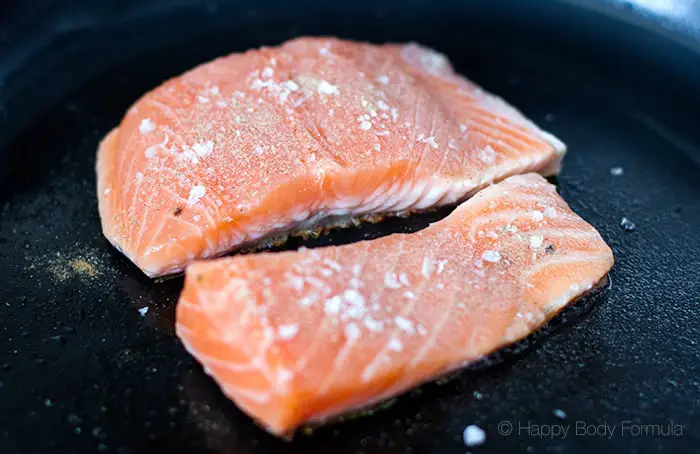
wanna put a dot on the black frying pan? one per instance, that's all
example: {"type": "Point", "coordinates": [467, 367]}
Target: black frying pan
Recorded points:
{"type": "Point", "coordinates": [81, 370]}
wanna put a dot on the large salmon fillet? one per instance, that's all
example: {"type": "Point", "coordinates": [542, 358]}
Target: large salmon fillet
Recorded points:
{"type": "Point", "coordinates": [297, 337]}
{"type": "Point", "coordinates": [314, 132]}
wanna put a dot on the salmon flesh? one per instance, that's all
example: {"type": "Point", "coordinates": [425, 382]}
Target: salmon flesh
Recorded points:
{"type": "Point", "coordinates": [294, 137]}
{"type": "Point", "coordinates": [298, 337]}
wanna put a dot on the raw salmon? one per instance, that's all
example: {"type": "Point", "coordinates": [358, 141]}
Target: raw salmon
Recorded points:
{"type": "Point", "coordinates": [314, 132]}
{"type": "Point", "coordinates": [297, 337]}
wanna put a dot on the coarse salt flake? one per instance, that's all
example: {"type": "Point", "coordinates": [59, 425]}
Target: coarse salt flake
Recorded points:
{"type": "Point", "coordinates": [491, 256]}
{"type": "Point", "coordinates": [352, 331]}
{"type": "Point", "coordinates": [203, 149]}
{"type": "Point", "coordinates": [382, 105]}
{"type": "Point", "coordinates": [511, 228]}
{"type": "Point", "coordinates": [327, 89]}
{"type": "Point", "coordinates": [332, 305]}
{"type": "Point", "coordinates": [295, 282]}
{"type": "Point", "coordinates": [146, 126]}
{"type": "Point", "coordinates": [627, 224]}
{"type": "Point", "coordinates": [428, 140]}
{"type": "Point", "coordinates": [474, 435]}
{"type": "Point", "coordinates": [354, 297]}
{"type": "Point", "coordinates": [404, 324]}
{"type": "Point", "coordinates": [537, 215]}
{"type": "Point", "coordinates": [384, 80]}
{"type": "Point", "coordinates": [284, 375]}
{"type": "Point", "coordinates": [365, 125]}
{"type": "Point", "coordinates": [143, 311]}
{"type": "Point", "coordinates": [391, 281]}
{"type": "Point", "coordinates": [355, 282]}
{"type": "Point", "coordinates": [373, 325]}
{"type": "Point", "coordinates": [394, 114]}
{"type": "Point", "coordinates": [559, 413]}
{"type": "Point", "coordinates": [286, 332]}
{"type": "Point", "coordinates": [332, 264]}
{"type": "Point", "coordinates": [196, 194]}
{"type": "Point", "coordinates": [395, 345]}
{"type": "Point", "coordinates": [536, 241]}
{"type": "Point", "coordinates": [307, 301]}
{"type": "Point", "coordinates": [487, 155]}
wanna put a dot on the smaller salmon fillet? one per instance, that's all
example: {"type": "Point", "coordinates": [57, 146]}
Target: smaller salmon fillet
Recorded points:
{"type": "Point", "coordinates": [298, 337]}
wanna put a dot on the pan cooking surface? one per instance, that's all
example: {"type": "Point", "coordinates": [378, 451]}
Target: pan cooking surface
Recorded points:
{"type": "Point", "coordinates": [88, 358]}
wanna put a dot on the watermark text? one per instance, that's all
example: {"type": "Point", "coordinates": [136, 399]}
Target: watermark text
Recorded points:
{"type": "Point", "coordinates": [579, 428]}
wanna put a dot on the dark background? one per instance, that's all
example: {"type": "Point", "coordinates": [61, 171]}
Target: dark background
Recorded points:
{"type": "Point", "coordinates": [82, 371]}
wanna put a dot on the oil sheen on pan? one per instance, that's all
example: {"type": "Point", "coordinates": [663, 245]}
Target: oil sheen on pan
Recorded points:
{"type": "Point", "coordinates": [298, 337]}
{"type": "Point", "coordinates": [253, 146]}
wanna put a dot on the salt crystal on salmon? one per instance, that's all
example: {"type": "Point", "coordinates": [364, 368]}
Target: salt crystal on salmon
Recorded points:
{"type": "Point", "coordinates": [355, 345]}
{"type": "Point", "coordinates": [313, 132]}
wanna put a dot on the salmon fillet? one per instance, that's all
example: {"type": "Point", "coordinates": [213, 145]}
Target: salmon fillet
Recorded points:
{"type": "Point", "coordinates": [297, 337]}
{"type": "Point", "coordinates": [290, 138]}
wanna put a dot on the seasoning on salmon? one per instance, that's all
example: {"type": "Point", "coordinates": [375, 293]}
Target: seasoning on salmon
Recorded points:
{"type": "Point", "coordinates": [314, 132]}
{"type": "Point", "coordinates": [297, 337]}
